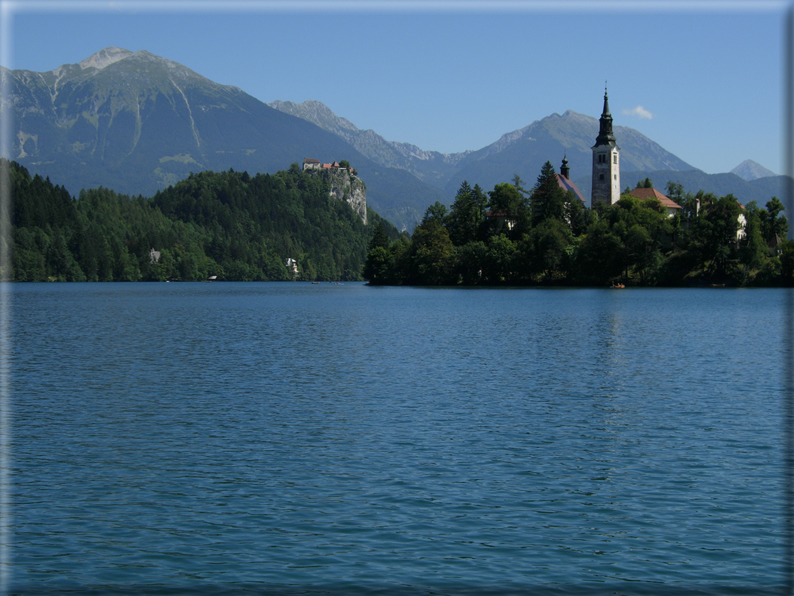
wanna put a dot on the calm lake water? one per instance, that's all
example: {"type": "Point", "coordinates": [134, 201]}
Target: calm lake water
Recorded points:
{"type": "Point", "coordinates": [339, 439]}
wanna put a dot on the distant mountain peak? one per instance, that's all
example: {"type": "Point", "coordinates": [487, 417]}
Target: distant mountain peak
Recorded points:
{"type": "Point", "coordinates": [105, 57]}
{"type": "Point", "coordinates": [317, 113]}
{"type": "Point", "coordinates": [750, 170]}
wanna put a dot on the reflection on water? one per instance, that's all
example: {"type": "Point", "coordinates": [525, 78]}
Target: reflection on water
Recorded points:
{"type": "Point", "coordinates": [327, 438]}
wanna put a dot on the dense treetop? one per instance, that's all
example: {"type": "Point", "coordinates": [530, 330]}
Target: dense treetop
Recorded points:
{"type": "Point", "coordinates": [225, 224]}
{"type": "Point", "coordinates": [546, 236]}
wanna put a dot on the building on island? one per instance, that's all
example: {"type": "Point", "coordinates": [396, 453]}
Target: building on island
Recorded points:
{"type": "Point", "coordinates": [741, 219]}
{"type": "Point", "coordinates": [314, 164]}
{"type": "Point", "coordinates": [606, 162]}
{"type": "Point", "coordinates": [651, 193]}
{"type": "Point", "coordinates": [500, 220]}
{"type": "Point", "coordinates": [564, 180]}
{"type": "Point", "coordinates": [292, 267]}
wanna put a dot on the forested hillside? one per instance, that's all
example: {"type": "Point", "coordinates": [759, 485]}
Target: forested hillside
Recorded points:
{"type": "Point", "coordinates": [226, 224]}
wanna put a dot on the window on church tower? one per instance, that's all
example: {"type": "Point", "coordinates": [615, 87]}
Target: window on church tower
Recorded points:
{"type": "Point", "coordinates": [615, 158]}
{"type": "Point", "coordinates": [600, 176]}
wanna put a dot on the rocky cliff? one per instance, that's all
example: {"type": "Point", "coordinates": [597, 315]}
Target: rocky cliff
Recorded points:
{"type": "Point", "coordinates": [346, 187]}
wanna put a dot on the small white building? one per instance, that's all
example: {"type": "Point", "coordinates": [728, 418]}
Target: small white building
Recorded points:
{"type": "Point", "coordinates": [292, 267]}
{"type": "Point", "coordinates": [741, 232]}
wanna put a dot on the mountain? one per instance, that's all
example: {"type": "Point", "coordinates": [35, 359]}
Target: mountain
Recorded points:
{"type": "Point", "coordinates": [524, 152]}
{"type": "Point", "coordinates": [430, 166]}
{"type": "Point", "coordinates": [751, 170]}
{"type": "Point", "coordinates": [520, 152]}
{"type": "Point", "coordinates": [138, 123]}
{"type": "Point", "coordinates": [570, 135]}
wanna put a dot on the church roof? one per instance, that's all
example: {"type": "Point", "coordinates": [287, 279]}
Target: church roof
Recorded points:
{"type": "Point", "coordinates": [567, 184]}
{"type": "Point", "coordinates": [651, 193]}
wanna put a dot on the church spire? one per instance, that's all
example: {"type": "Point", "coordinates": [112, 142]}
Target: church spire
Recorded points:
{"type": "Point", "coordinates": [606, 103]}
{"type": "Point", "coordinates": [606, 161]}
{"type": "Point", "coordinates": [605, 134]}
{"type": "Point", "coordinates": [565, 170]}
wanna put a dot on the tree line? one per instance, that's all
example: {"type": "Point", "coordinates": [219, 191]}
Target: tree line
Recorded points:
{"type": "Point", "coordinates": [225, 224]}
{"type": "Point", "coordinates": [546, 236]}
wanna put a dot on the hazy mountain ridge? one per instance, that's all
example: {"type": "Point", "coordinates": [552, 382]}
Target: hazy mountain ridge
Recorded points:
{"type": "Point", "coordinates": [522, 151]}
{"type": "Point", "coordinates": [137, 123]}
{"type": "Point", "coordinates": [104, 58]}
{"type": "Point", "coordinates": [430, 166]}
{"type": "Point", "coordinates": [570, 135]}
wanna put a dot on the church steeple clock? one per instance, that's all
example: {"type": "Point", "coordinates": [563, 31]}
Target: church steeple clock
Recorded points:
{"type": "Point", "coordinates": [606, 161]}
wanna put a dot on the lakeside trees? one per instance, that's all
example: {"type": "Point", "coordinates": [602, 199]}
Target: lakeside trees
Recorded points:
{"type": "Point", "coordinates": [227, 224]}
{"type": "Point", "coordinates": [241, 227]}
{"type": "Point", "coordinates": [546, 236]}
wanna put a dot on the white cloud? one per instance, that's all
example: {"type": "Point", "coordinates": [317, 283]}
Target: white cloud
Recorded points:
{"type": "Point", "coordinates": [639, 111]}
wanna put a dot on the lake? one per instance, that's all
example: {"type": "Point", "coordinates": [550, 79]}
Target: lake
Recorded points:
{"type": "Point", "coordinates": [294, 438]}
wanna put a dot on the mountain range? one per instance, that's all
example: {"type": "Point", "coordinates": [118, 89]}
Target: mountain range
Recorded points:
{"type": "Point", "coordinates": [138, 123]}
{"type": "Point", "coordinates": [522, 151]}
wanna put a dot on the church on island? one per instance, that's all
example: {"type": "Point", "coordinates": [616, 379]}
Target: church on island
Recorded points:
{"type": "Point", "coordinates": [606, 171]}
{"type": "Point", "coordinates": [606, 165]}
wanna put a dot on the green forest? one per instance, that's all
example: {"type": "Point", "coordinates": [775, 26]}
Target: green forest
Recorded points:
{"type": "Point", "coordinates": [546, 236]}
{"type": "Point", "coordinates": [224, 224]}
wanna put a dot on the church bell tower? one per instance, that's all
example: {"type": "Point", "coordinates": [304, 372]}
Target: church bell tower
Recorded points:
{"type": "Point", "coordinates": [606, 162]}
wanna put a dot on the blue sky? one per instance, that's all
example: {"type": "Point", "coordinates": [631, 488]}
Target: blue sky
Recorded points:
{"type": "Point", "coordinates": [703, 79]}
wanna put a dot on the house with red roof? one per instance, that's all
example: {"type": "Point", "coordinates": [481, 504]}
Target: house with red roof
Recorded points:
{"type": "Point", "coordinates": [315, 164]}
{"type": "Point", "coordinates": [645, 194]}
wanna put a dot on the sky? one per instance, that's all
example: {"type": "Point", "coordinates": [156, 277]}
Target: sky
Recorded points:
{"type": "Point", "coordinates": [703, 78]}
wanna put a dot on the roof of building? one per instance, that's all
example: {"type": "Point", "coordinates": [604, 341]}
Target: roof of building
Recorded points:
{"type": "Point", "coordinates": [310, 160]}
{"type": "Point", "coordinates": [651, 193]}
{"type": "Point", "coordinates": [567, 184]}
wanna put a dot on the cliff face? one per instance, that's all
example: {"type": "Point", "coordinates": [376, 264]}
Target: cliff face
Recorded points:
{"type": "Point", "coordinates": [348, 188]}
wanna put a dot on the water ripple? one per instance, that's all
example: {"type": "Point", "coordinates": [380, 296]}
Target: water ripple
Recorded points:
{"type": "Point", "coordinates": [237, 438]}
